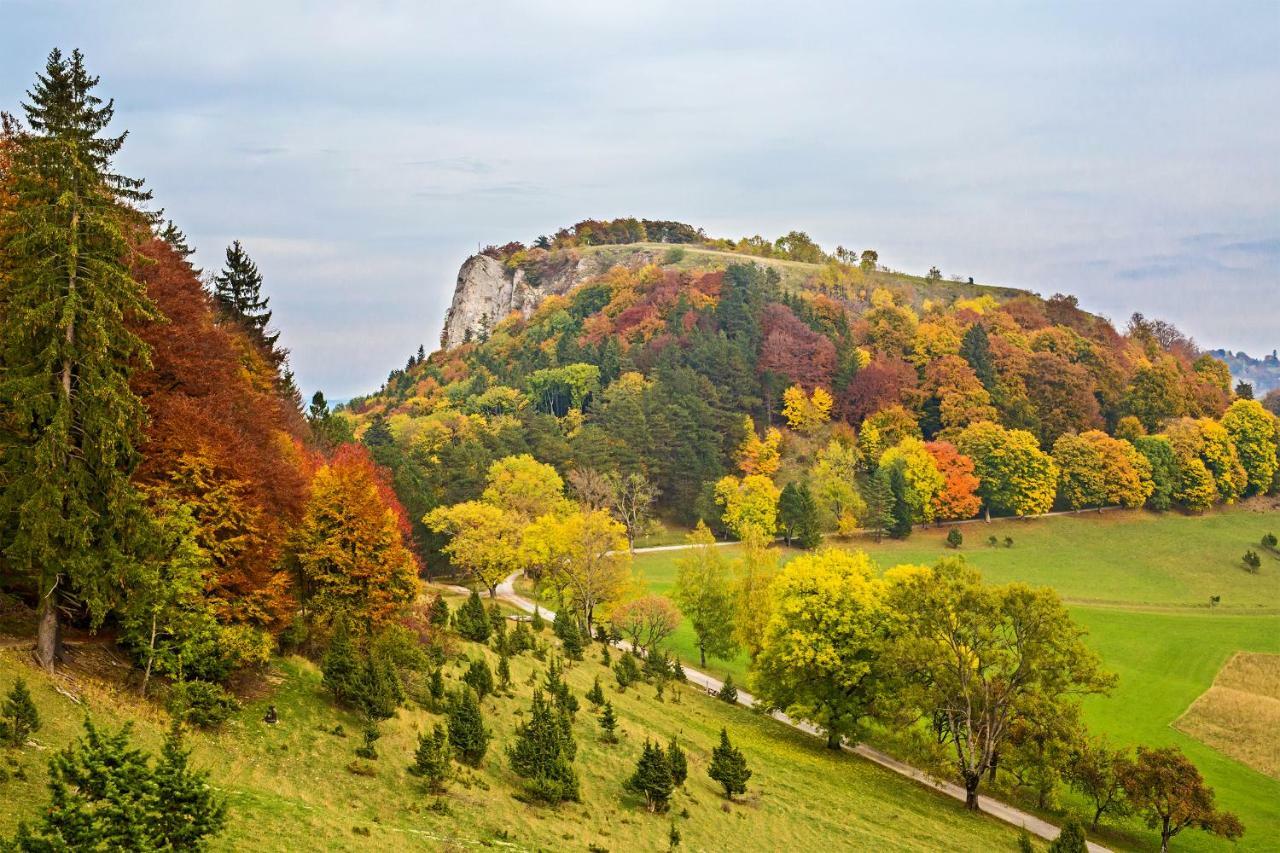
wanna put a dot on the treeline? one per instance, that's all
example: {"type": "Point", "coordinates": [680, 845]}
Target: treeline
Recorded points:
{"type": "Point", "coordinates": [1010, 408]}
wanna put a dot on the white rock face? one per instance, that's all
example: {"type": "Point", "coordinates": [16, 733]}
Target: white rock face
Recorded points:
{"type": "Point", "coordinates": [487, 292]}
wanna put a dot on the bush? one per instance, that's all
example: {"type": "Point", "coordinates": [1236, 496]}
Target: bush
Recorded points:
{"type": "Point", "coordinates": [1252, 562]}
{"type": "Point", "coordinates": [1269, 541]}
{"type": "Point", "coordinates": [1070, 840]}
{"type": "Point", "coordinates": [626, 671]}
{"type": "Point", "coordinates": [201, 703]}
{"type": "Point", "coordinates": [728, 691]}
{"type": "Point", "coordinates": [955, 538]}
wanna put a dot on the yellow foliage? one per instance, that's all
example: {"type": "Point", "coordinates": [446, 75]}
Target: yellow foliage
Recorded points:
{"type": "Point", "coordinates": [806, 414]}
{"type": "Point", "coordinates": [758, 455]}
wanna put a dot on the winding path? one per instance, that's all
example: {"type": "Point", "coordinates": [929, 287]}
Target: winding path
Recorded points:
{"type": "Point", "coordinates": [995, 808]}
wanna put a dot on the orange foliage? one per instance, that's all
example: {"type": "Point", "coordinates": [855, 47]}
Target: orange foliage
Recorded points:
{"type": "Point", "coordinates": [959, 495]}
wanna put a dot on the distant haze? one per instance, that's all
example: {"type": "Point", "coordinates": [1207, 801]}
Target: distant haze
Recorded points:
{"type": "Point", "coordinates": [1123, 152]}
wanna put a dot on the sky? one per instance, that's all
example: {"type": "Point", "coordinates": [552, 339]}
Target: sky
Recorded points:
{"type": "Point", "coordinates": [1127, 153]}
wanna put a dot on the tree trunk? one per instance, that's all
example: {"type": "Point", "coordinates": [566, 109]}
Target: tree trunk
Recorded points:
{"type": "Point", "coordinates": [48, 635]}
{"type": "Point", "coordinates": [971, 782]}
{"type": "Point", "coordinates": [986, 512]}
{"type": "Point", "coordinates": [833, 740]}
{"type": "Point", "coordinates": [1165, 835]}
{"type": "Point", "coordinates": [1097, 816]}
{"type": "Point", "coordinates": [702, 656]}
{"type": "Point", "coordinates": [151, 656]}
{"type": "Point", "coordinates": [995, 763]}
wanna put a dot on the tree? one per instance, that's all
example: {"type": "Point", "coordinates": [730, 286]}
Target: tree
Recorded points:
{"type": "Point", "coordinates": [524, 487]}
{"type": "Point", "coordinates": [789, 511]}
{"type": "Point", "coordinates": [349, 548]}
{"type": "Point", "coordinates": [880, 503]}
{"type": "Point", "coordinates": [750, 505]}
{"type": "Point", "coordinates": [901, 509]}
{"type": "Point", "coordinates": [652, 777]}
{"type": "Point", "coordinates": [471, 621]}
{"type": "Point", "coordinates": [703, 592]}
{"type": "Point", "coordinates": [328, 430]}
{"type": "Point", "coordinates": [828, 629]}
{"type": "Point", "coordinates": [1071, 839]}
{"type": "Point", "coordinates": [729, 767]}
{"type": "Point", "coordinates": [19, 717]}
{"type": "Point", "coordinates": [1097, 772]}
{"type": "Point", "coordinates": [981, 655]}
{"type": "Point", "coordinates": [72, 423]}
{"type": "Point", "coordinates": [608, 724]}
{"type": "Point", "coordinates": [728, 692]}
{"type": "Point", "coordinates": [107, 794]}
{"type": "Point", "coordinates": [958, 497]}
{"type": "Point", "coordinates": [923, 481]}
{"type": "Point", "coordinates": [975, 348]}
{"type": "Point", "coordinates": [583, 556]}
{"type": "Point", "coordinates": [759, 457]}
{"type": "Point", "coordinates": [806, 413]}
{"type": "Point", "coordinates": [1253, 431]}
{"type": "Point", "coordinates": [1095, 469]}
{"type": "Point", "coordinates": [954, 538]}
{"type": "Point", "coordinates": [432, 761]}
{"type": "Point", "coordinates": [467, 732]}
{"type": "Point", "coordinates": [1252, 562]}
{"type": "Point", "coordinates": [835, 488]}
{"type": "Point", "coordinates": [631, 498]}
{"type": "Point", "coordinates": [1167, 790]}
{"type": "Point", "coordinates": [438, 615]}
{"type": "Point", "coordinates": [753, 571]}
{"type": "Point", "coordinates": [237, 289]}
{"type": "Point", "coordinates": [1163, 464]}
{"type": "Point", "coordinates": [479, 677]}
{"type": "Point", "coordinates": [485, 540]}
{"type": "Point", "coordinates": [596, 694]}
{"type": "Point", "coordinates": [646, 621]}
{"type": "Point", "coordinates": [1014, 475]}
{"type": "Point", "coordinates": [543, 754]}
{"type": "Point", "coordinates": [678, 762]}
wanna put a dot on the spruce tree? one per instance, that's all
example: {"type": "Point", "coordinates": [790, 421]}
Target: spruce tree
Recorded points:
{"type": "Point", "coordinates": [808, 530]}
{"type": "Point", "coordinates": [18, 717]}
{"type": "Point", "coordinates": [975, 348]}
{"type": "Point", "coordinates": [543, 754]}
{"type": "Point", "coordinates": [435, 686]}
{"type": "Point", "coordinates": [729, 767]}
{"type": "Point", "coordinates": [728, 691]}
{"type": "Point", "coordinates": [880, 501]}
{"type": "Point", "coordinates": [471, 621]}
{"type": "Point", "coordinates": [559, 689]}
{"type": "Point", "coordinates": [789, 511]}
{"type": "Point", "coordinates": [677, 670]}
{"type": "Point", "coordinates": [605, 657]}
{"type": "Point", "coordinates": [378, 434]}
{"type": "Point", "coordinates": [652, 778]}
{"type": "Point", "coordinates": [678, 762]}
{"type": "Point", "coordinates": [625, 671]}
{"type": "Point", "coordinates": [432, 761]}
{"type": "Point", "coordinates": [596, 695]}
{"type": "Point", "coordinates": [1071, 839]}
{"type": "Point", "coordinates": [566, 628]}
{"type": "Point", "coordinates": [537, 623]}
{"type": "Point", "coordinates": [900, 509]}
{"type": "Point", "coordinates": [479, 678]}
{"type": "Point", "coordinates": [341, 665]}
{"type": "Point", "coordinates": [608, 724]}
{"type": "Point", "coordinates": [504, 672]}
{"type": "Point", "coordinates": [177, 240]}
{"type": "Point", "coordinates": [467, 732]}
{"type": "Point", "coordinates": [238, 291]}
{"type": "Point", "coordinates": [438, 615]}
{"type": "Point", "coordinates": [69, 299]}
{"type": "Point", "coordinates": [189, 810]}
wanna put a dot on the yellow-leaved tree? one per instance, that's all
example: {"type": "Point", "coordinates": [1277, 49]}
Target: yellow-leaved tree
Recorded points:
{"type": "Point", "coordinates": [806, 413]}
{"type": "Point", "coordinates": [583, 557]}
{"type": "Point", "coordinates": [750, 505]}
{"type": "Point", "coordinates": [758, 455]}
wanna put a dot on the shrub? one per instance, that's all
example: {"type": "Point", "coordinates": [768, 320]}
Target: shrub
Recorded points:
{"type": "Point", "coordinates": [1070, 839]}
{"type": "Point", "coordinates": [201, 703]}
{"type": "Point", "coordinates": [955, 538]}
{"type": "Point", "coordinates": [431, 761]}
{"type": "Point", "coordinates": [1269, 541]}
{"type": "Point", "coordinates": [18, 717]}
{"type": "Point", "coordinates": [1008, 541]}
{"type": "Point", "coordinates": [1252, 562]}
{"type": "Point", "coordinates": [728, 691]}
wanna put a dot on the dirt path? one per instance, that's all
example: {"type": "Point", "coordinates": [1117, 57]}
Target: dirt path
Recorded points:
{"type": "Point", "coordinates": [995, 808]}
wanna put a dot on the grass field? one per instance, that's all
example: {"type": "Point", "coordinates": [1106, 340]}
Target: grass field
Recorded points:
{"type": "Point", "coordinates": [289, 789]}
{"type": "Point", "coordinates": [1239, 714]}
{"type": "Point", "coordinates": [1140, 583]}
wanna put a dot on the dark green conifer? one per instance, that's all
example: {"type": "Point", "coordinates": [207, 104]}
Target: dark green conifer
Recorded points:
{"type": "Point", "coordinates": [432, 761]}
{"type": "Point", "coordinates": [900, 510]}
{"type": "Point", "coordinates": [1071, 839]}
{"type": "Point", "coordinates": [504, 672]}
{"type": "Point", "coordinates": [975, 348]}
{"type": "Point", "coordinates": [538, 622]}
{"type": "Point", "coordinates": [728, 691]}
{"type": "Point", "coordinates": [566, 628]}
{"type": "Point", "coordinates": [341, 665]}
{"type": "Point", "coordinates": [190, 810]}
{"type": "Point", "coordinates": [435, 685]}
{"type": "Point", "coordinates": [439, 612]}
{"type": "Point", "coordinates": [879, 498]}
{"type": "Point", "coordinates": [808, 530]}
{"type": "Point", "coordinates": [467, 732]}
{"type": "Point", "coordinates": [479, 677]}
{"type": "Point", "coordinates": [543, 754]}
{"type": "Point", "coordinates": [729, 767]}
{"type": "Point", "coordinates": [626, 671]}
{"type": "Point", "coordinates": [238, 291]}
{"type": "Point", "coordinates": [608, 724]}
{"type": "Point", "coordinates": [471, 621]}
{"type": "Point", "coordinates": [19, 717]}
{"type": "Point", "coordinates": [596, 695]}
{"type": "Point", "coordinates": [652, 778]}
{"type": "Point", "coordinates": [605, 657]}
{"type": "Point", "coordinates": [678, 762]}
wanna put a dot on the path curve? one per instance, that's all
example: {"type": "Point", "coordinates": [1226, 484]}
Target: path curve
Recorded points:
{"type": "Point", "coordinates": [1005, 812]}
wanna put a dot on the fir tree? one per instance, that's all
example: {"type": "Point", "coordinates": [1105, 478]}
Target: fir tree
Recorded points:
{"type": "Point", "coordinates": [543, 754]}
{"type": "Point", "coordinates": [673, 837]}
{"type": "Point", "coordinates": [538, 623]}
{"type": "Point", "coordinates": [729, 767]}
{"type": "Point", "coordinates": [238, 291]}
{"type": "Point", "coordinates": [566, 628]}
{"type": "Point", "coordinates": [471, 621]}
{"type": "Point", "coordinates": [18, 717]}
{"type": "Point", "coordinates": [596, 695]}
{"type": "Point", "coordinates": [435, 686]}
{"type": "Point", "coordinates": [728, 691]}
{"type": "Point", "coordinates": [432, 761]}
{"type": "Point", "coordinates": [975, 348]}
{"type": "Point", "coordinates": [788, 511]}
{"type": "Point", "coordinates": [467, 732]}
{"type": "Point", "coordinates": [808, 530]}
{"type": "Point", "coordinates": [900, 510]}
{"type": "Point", "coordinates": [438, 615]}
{"type": "Point", "coordinates": [504, 672]}
{"type": "Point", "coordinates": [625, 671]}
{"type": "Point", "coordinates": [1071, 839]}
{"type": "Point", "coordinates": [652, 778]}
{"type": "Point", "coordinates": [378, 434]}
{"type": "Point", "coordinates": [880, 502]}
{"type": "Point", "coordinates": [177, 240]}
{"type": "Point", "coordinates": [479, 677]}
{"type": "Point", "coordinates": [677, 670]}
{"type": "Point", "coordinates": [340, 665]}
{"type": "Point", "coordinates": [608, 724]}
{"type": "Point", "coordinates": [189, 810]}
{"type": "Point", "coordinates": [605, 657]}
{"type": "Point", "coordinates": [558, 688]}
{"type": "Point", "coordinates": [678, 762]}
{"type": "Point", "coordinates": [69, 300]}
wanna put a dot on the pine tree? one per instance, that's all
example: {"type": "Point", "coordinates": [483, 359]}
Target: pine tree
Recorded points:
{"type": "Point", "coordinates": [18, 717]}
{"type": "Point", "coordinates": [432, 760]}
{"type": "Point", "coordinates": [605, 657]}
{"type": "Point", "coordinates": [975, 348]}
{"type": "Point", "coordinates": [558, 688]}
{"type": "Point", "coordinates": [69, 297]}
{"type": "Point", "coordinates": [789, 511]}
{"type": "Point", "coordinates": [438, 615]}
{"type": "Point", "coordinates": [596, 695]}
{"type": "Point", "coordinates": [341, 665]}
{"type": "Point", "coordinates": [467, 732]}
{"type": "Point", "coordinates": [538, 623]}
{"type": "Point", "coordinates": [1070, 840]}
{"type": "Point", "coordinates": [238, 291]}
{"type": "Point", "coordinates": [479, 677]}
{"type": "Point", "coordinates": [471, 621]}
{"type": "Point", "coordinates": [728, 691]}
{"type": "Point", "coordinates": [678, 762]}
{"type": "Point", "coordinates": [808, 530]}
{"type": "Point", "coordinates": [729, 767]}
{"type": "Point", "coordinates": [504, 672]}
{"type": "Point", "coordinates": [177, 240]}
{"type": "Point", "coordinates": [677, 671]}
{"type": "Point", "coordinates": [189, 810]}
{"type": "Point", "coordinates": [608, 724]}
{"type": "Point", "coordinates": [900, 509]}
{"type": "Point", "coordinates": [435, 686]}
{"type": "Point", "coordinates": [566, 628]}
{"type": "Point", "coordinates": [652, 778]}
{"type": "Point", "coordinates": [543, 754]}
{"type": "Point", "coordinates": [880, 502]}
{"type": "Point", "coordinates": [378, 434]}
{"type": "Point", "coordinates": [625, 671]}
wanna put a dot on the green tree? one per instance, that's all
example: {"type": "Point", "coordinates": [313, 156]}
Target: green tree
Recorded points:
{"type": "Point", "coordinates": [1071, 839]}
{"type": "Point", "coordinates": [703, 592]}
{"type": "Point", "coordinates": [341, 665]}
{"type": "Point", "coordinates": [1014, 475]}
{"type": "Point", "coordinates": [652, 778]}
{"type": "Point", "coordinates": [608, 724]}
{"type": "Point", "coordinates": [543, 754]}
{"type": "Point", "coordinates": [901, 511]}
{"type": "Point", "coordinates": [189, 810]}
{"type": "Point", "coordinates": [467, 732]}
{"type": "Point", "coordinates": [880, 503]}
{"type": "Point", "coordinates": [1165, 475]}
{"type": "Point", "coordinates": [479, 677]}
{"type": "Point", "coordinates": [1167, 790]}
{"type": "Point", "coordinates": [975, 348]}
{"type": "Point", "coordinates": [71, 421]}
{"type": "Point", "coordinates": [729, 767]}
{"type": "Point", "coordinates": [18, 716]}
{"type": "Point", "coordinates": [1253, 431]}
{"type": "Point", "coordinates": [471, 621]}
{"type": "Point", "coordinates": [954, 538]}
{"type": "Point", "coordinates": [439, 612]}
{"type": "Point", "coordinates": [789, 511]}
{"type": "Point", "coordinates": [596, 694]}
{"type": "Point", "coordinates": [237, 289]}
{"type": "Point", "coordinates": [678, 762]}
{"type": "Point", "coordinates": [1096, 771]}
{"type": "Point", "coordinates": [728, 691]}
{"type": "Point", "coordinates": [432, 762]}
{"type": "Point", "coordinates": [829, 627]}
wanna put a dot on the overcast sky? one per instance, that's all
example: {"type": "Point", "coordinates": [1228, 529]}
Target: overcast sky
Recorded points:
{"type": "Point", "coordinates": [1125, 152]}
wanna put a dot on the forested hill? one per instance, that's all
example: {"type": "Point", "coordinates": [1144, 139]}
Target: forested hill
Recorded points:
{"type": "Point", "coordinates": [682, 360]}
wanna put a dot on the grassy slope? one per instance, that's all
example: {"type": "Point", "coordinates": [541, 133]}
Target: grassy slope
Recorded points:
{"type": "Point", "coordinates": [290, 790]}
{"type": "Point", "coordinates": [1140, 584]}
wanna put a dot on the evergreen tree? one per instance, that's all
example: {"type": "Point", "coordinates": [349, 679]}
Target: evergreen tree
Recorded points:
{"type": "Point", "coordinates": [467, 732]}
{"type": "Point", "coordinates": [543, 754]}
{"type": "Point", "coordinates": [69, 297]}
{"type": "Point", "coordinates": [438, 615]}
{"type": "Point", "coordinates": [625, 671]}
{"type": "Point", "coordinates": [900, 509]}
{"type": "Point", "coordinates": [1070, 840]}
{"type": "Point", "coordinates": [955, 538]}
{"type": "Point", "coordinates": [177, 240]}
{"type": "Point", "coordinates": [504, 672]}
{"type": "Point", "coordinates": [538, 623]}
{"type": "Point", "coordinates": [471, 621]}
{"type": "Point", "coordinates": [378, 434]}
{"type": "Point", "coordinates": [605, 658]}
{"type": "Point", "coordinates": [18, 716]}
{"type": "Point", "coordinates": [728, 691]}
{"type": "Point", "coordinates": [559, 689]}
{"type": "Point", "coordinates": [975, 348]}
{"type": "Point", "coordinates": [652, 778]}
{"type": "Point", "coordinates": [435, 686]}
{"type": "Point", "coordinates": [729, 767]}
{"type": "Point", "coordinates": [479, 678]}
{"type": "Point", "coordinates": [566, 628]}
{"type": "Point", "coordinates": [238, 291]}
{"type": "Point", "coordinates": [678, 762]}
{"type": "Point", "coordinates": [189, 810]}
{"type": "Point", "coordinates": [432, 762]}
{"type": "Point", "coordinates": [789, 511]}
{"type": "Point", "coordinates": [677, 670]}
{"type": "Point", "coordinates": [341, 665]}
{"type": "Point", "coordinates": [608, 724]}
{"type": "Point", "coordinates": [879, 499]}
{"type": "Point", "coordinates": [808, 531]}
{"type": "Point", "coordinates": [596, 695]}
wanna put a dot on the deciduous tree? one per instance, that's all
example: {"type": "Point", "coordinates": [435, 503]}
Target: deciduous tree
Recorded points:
{"type": "Point", "coordinates": [1167, 790]}
{"type": "Point", "coordinates": [1014, 475]}
{"type": "Point", "coordinates": [703, 591]}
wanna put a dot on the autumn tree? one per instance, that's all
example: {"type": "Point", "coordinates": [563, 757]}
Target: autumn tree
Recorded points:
{"type": "Point", "coordinates": [958, 497]}
{"type": "Point", "coordinates": [630, 501]}
{"type": "Point", "coordinates": [1014, 475]}
{"type": "Point", "coordinates": [583, 557]}
{"type": "Point", "coordinates": [753, 572]}
{"type": "Point", "coordinates": [923, 480]}
{"type": "Point", "coordinates": [703, 592]}
{"type": "Point", "coordinates": [820, 656]}
{"type": "Point", "coordinates": [1253, 431]}
{"type": "Point", "coordinates": [750, 505]}
{"type": "Point", "coordinates": [1097, 771]}
{"type": "Point", "coordinates": [72, 424]}
{"type": "Point", "coordinates": [1095, 469]}
{"type": "Point", "coordinates": [484, 540]}
{"type": "Point", "coordinates": [806, 413]}
{"type": "Point", "coordinates": [759, 456]}
{"type": "Point", "coordinates": [646, 621]}
{"type": "Point", "coordinates": [834, 484]}
{"type": "Point", "coordinates": [1167, 790]}
{"type": "Point", "coordinates": [980, 656]}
